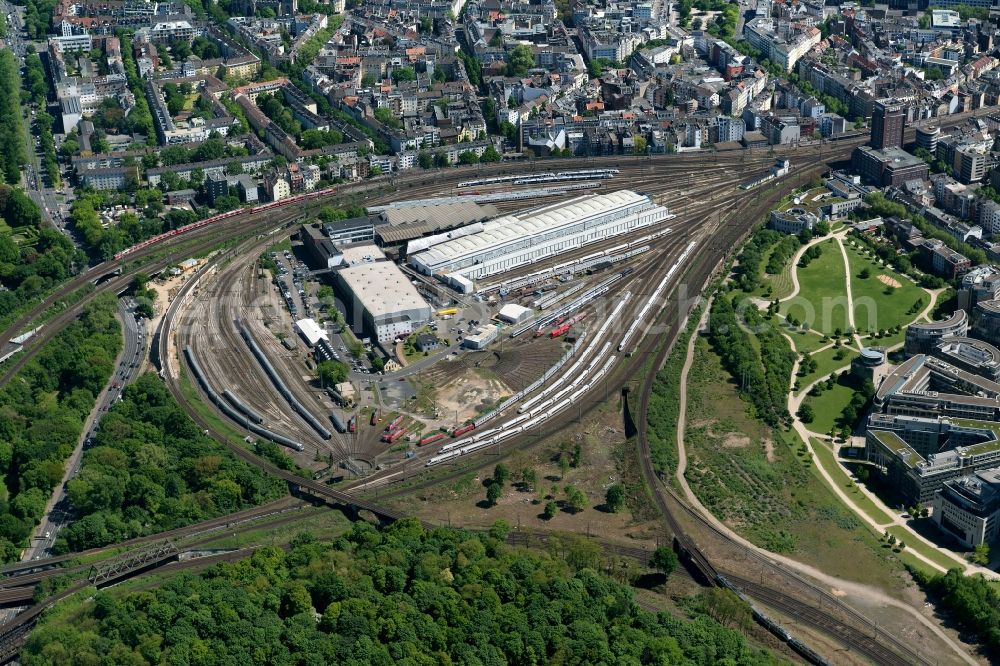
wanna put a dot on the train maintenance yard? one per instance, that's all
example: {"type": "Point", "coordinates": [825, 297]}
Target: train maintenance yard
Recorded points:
{"type": "Point", "coordinates": [695, 232]}
{"type": "Point", "coordinates": [577, 313]}
{"type": "Point", "coordinates": [227, 338]}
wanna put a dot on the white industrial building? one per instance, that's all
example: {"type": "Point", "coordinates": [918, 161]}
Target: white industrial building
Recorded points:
{"type": "Point", "coordinates": [311, 332]}
{"type": "Point", "coordinates": [510, 241]}
{"type": "Point", "coordinates": [382, 301]}
{"type": "Point", "coordinates": [481, 338]}
{"type": "Point", "coordinates": [512, 313]}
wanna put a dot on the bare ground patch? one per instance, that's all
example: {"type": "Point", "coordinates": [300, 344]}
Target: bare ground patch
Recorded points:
{"type": "Point", "coordinates": [735, 440]}
{"type": "Point", "coordinates": [889, 281]}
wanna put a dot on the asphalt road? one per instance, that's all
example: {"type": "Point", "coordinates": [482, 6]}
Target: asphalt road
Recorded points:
{"type": "Point", "coordinates": [58, 511]}
{"type": "Point", "coordinates": [47, 198]}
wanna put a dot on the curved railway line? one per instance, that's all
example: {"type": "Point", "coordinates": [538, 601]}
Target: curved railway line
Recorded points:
{"type": "Point", "coordinates": [224, 302]}
{"type": "Point", "coordinates": [720, 245]}
{"type": "Point", "coordinates": [211, 333]}
{"type": "Point", "coordinates": [151, 259]}
{"type": "Point", "coordinates": [417, 185]}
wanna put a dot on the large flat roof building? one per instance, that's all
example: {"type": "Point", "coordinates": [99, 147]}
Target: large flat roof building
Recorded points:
{"type": "Point", "coordinates": [975, 356]}
{"type": "Point", "coordinates": [927, 386]}
{"type": "Point", "coordinates": [382, 301]}
{"type": "Point", "coordinates": [939, 420]}
{"type": "Point", "coordinates": [888, 166]}
{"type": "Point", "coordinates": [919, 455]}
{"type": "Point", "coordinates": [511, 241]}
{"type": "Point", "coordinates": [401, 223]}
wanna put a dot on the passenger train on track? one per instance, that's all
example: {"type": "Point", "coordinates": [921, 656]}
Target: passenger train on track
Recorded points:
{"type": "Point", "coordinates": [225, 216]}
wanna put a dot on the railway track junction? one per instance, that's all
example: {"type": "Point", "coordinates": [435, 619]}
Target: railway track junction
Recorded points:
{"type": "Point", "coordinates": [218, 351]}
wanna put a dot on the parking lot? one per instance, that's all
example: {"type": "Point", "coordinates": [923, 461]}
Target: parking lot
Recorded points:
{"type": "Point", "coordinates": [298, 291]}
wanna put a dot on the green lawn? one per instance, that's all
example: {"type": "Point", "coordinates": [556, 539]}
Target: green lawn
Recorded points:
{"type": "Point", "coordinates": [774, 286]}
{"type": "Point", "coordinates": [826, 363]}
{"type": "Point", "coordinates": [829, 406]}
{"type": "Point", "coordinates": [874, 307]}
{"type": "Point", "coordinates": [811, 201]}
{"type": "Point", "coordinates": [886, 341]}
{"type": "Point", "coordinates": [932, 554]}
{"type": "Point", "coordinates": [821, 301]}
{"type": "Point", "coordinates": [806, 341]}
{"type": "Point", "coordinates": [907, 557]}
{"type": "Point", "coordinates": [836, 471]}
{"type": "Point", "coordinates": [206, 411]}
{"type": "Point", "coordinates": [762, 483]}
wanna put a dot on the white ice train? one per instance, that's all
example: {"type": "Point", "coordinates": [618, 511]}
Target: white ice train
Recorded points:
{"type": "Point", "coordinates": [546, 177]}
{"type": "Point", "coordinates": [529, 412]}
{"type": "Point", "coordinates": [576, 265]}
{"type": "Point", "coordinates": [654, 298]}
{"type": "Point", "coordinates": [523, 423]}
{"type": "Point", "coordinates": [572, 372]}
{"type": "Point", "coordinates": [561, 178]}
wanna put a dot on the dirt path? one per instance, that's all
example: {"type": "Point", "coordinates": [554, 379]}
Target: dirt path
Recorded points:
{"type": "Point", "coordinates": [682, 405]}
{"type": "Point", "coordinates": [870, 595]}
{"type": "Point", "coordinates": [934, 295]}
{"type": "Point", "coordinates": [795, 402]}
{"type": "Point", "coordinates": [838, 238]}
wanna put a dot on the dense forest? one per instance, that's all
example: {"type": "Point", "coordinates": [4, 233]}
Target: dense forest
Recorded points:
{"type": "Point", "coordinates": [150, 469]}
{"type": "Point", "coordinates": [42, 411]}
{"type": "Point", "coordinates": [763, 377]}
{"type": "Point", "coordinates": [398, 597]}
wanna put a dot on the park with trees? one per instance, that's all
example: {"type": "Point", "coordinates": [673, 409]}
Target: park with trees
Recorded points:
{"type": "Point", "coordinates": [151, 469]}
{"type": "Point", "coordinates": [42, 413]}
{"type": "Point", "coordinates": [400, 595]}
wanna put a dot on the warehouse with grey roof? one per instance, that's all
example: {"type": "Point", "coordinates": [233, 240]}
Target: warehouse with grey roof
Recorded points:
{"type": "Point", "coordinates": [382, 302]}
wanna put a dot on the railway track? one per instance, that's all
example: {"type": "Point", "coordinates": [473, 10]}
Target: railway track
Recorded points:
{"type": "Point", "coordinates": [414, 185]}
{"type": "Point", "coordinates": [226, 279]}
{"type": "Point", "coordinates": [793, 607]}
{"type": "Point", "coordinates": [33, 571]}
{"type": "Point", "coordinates": [848, 634]}
{"type": "Point", "coordinates": [642, 283]}
{"type": "Point", "coordinates": [209, 330]}
{"type": "Point", "coordinates": [725, 241]}
{"type": "Point", "coordinates": [205, 238]}
{"type": "Point", "coordinates": [10, 632]}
